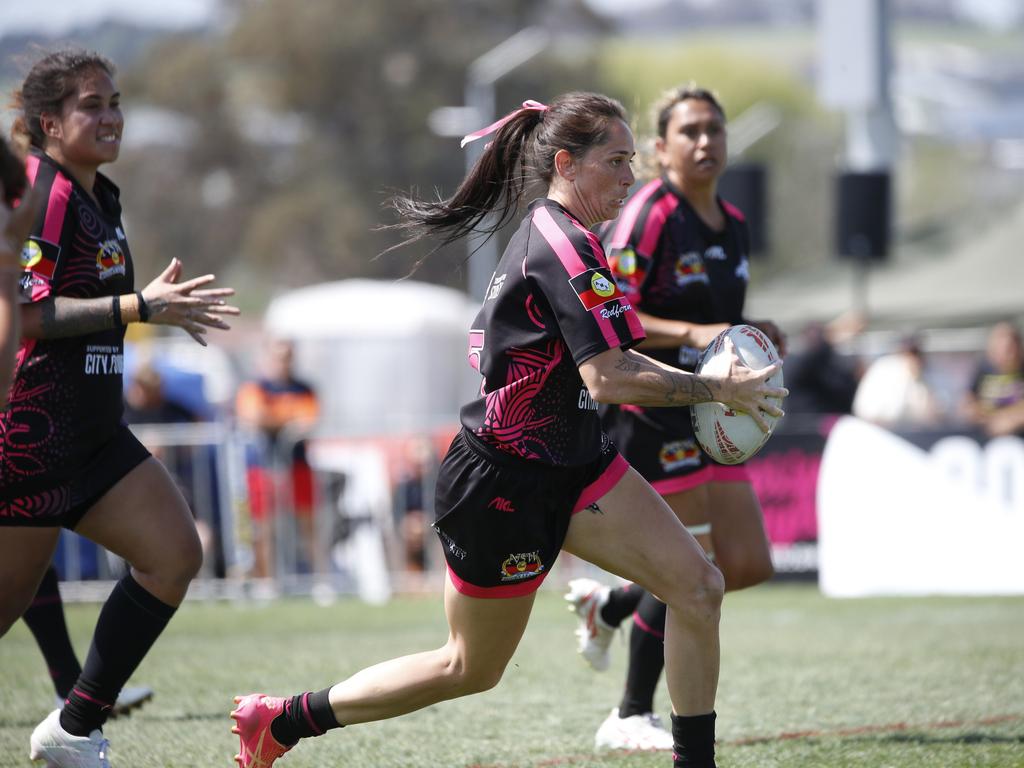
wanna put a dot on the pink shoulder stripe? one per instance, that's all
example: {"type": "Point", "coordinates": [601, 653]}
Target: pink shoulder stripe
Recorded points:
{"type": "Point", "coordinates": [655, 223]}
{"type": "Point", "coordinates": [559, 242]}
{"type": "Point", "coordinates": [733, 211]}
{"type": "Point", "coordinates": [56, 205]}
{"type": "Point", "coordinates": [627, 219]}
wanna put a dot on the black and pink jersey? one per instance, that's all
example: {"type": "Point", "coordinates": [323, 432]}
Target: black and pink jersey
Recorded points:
{"type": "Point", "coordinates": [670, 264]}
{"type": "Point", "coordinates": [66, 399]}
{"type": "Point", "coordinates": [551, 305]}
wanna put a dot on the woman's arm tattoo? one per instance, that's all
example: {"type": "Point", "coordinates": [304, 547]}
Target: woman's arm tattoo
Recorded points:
{"type": "Point", "coordinates": [678, 388]}
{"type": "Point", "coordinates": [62, 317]}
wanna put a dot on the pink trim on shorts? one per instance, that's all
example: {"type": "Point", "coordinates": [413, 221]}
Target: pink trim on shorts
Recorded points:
{"type": "Point", "coordinates": [721, 473]}
{"type": "Point", "coordinates": [672, 485]}
{"type": "Point", "coordinates": [608, 479]}
{"type": "Point", "coordinates": [519, 589]}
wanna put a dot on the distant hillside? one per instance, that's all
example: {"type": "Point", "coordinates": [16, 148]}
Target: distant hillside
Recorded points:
{"type": "Point", "coordinates": [122, 43]}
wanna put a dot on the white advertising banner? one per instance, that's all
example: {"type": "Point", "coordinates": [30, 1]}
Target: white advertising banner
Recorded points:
{"type": "Point", "coordinates": [895, 519]}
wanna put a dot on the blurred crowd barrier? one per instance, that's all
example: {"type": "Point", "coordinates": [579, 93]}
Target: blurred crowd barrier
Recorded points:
{"type": "Point", "coordinates": [869, 510]}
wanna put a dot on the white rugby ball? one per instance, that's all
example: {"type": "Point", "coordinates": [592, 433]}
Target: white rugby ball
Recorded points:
{"type": "Point", "coordinates": [728, 436]}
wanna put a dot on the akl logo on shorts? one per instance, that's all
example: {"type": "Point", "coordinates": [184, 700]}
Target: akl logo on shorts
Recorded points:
{"type": "Point", "coordinates": [524, 565]}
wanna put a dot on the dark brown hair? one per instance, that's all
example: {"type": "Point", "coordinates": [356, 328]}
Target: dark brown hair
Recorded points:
{"type": "Point", "coordinates": [663, 108]}
{"type": "Point", "coordinates": [51, 80]}
{"type": "Point", "coordinates": [523, 149]}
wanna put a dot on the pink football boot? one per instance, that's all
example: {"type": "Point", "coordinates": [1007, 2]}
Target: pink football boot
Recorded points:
{"type": "Point", "coordinates": [253, 716]}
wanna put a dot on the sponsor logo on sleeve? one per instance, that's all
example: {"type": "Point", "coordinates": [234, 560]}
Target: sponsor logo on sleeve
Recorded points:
{"type": "Point", "coordinates": [496, 282]}
{"type": "Point", "coordinates": [595, 287]}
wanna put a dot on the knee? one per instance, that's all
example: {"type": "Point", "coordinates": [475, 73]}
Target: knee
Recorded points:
{"type": "Point", "coordinates": [466, 678]}
{"type": "Point", "coordinates": [179, 560]}
{"type": "Point", "coordinates": [698, 598]}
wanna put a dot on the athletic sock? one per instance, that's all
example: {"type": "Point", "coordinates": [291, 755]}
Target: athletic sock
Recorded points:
{"type": "Point", "coordinates": [45, 619]}
{"type": "Point", "coordinates": [622, 601]}
{"type": "Point", "coordinates": [308, 714]}
{"type": "Point", "coordinates": [646, 657]}
{"type": "Point", "coordinates": [694, 738]}
{"type": "Point", "coordinates": [130, 622]}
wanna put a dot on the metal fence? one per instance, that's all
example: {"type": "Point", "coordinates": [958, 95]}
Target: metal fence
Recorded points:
{"type": "Point", "coordinates": [355, 538]}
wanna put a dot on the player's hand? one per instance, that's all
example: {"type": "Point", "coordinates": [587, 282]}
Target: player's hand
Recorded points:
{"type": "Point", "coordinates": [188, 304]}
{"type": "Point", "coordinates": [749, 390]}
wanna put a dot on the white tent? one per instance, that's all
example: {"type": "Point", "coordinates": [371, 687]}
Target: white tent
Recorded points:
{"type": "Point", "coordinates": [384, 356]}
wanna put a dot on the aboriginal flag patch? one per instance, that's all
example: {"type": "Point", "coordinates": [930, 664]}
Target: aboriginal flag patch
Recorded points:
{"type": "Point", "coordinates": [40, 256]}
{"type": "Point", "coordinates": [595, 287]}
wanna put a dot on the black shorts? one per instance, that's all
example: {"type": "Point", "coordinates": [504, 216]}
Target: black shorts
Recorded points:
{"type": "Point", "coordinates": [502, 519]}
{"type": "Point", "coordinates": [663, 450]}
{"type": "Point", "coordinates": [65, 501]}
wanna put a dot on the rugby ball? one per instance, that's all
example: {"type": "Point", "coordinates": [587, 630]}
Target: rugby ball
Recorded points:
{"type": "Point", "coordinates": [728, 436]}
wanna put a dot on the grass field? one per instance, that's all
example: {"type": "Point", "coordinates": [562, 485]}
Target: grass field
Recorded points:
{"type": "Point", "coordinates": [806, 681]}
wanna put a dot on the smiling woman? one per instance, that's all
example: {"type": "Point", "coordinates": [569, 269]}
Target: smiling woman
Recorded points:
{"type": "Point", "coordinates": [67, 459]}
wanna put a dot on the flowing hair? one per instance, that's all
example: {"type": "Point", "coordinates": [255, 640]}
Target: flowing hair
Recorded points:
{"type": "Point", "coordinates": [522, 150]}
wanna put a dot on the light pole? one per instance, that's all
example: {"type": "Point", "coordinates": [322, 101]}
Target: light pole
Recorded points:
{"type": "Point", "coordinates": [478, 112]}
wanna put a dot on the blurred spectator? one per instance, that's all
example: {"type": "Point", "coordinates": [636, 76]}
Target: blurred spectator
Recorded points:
{"type": "Point", "coordinates": [146, 403]}
{"type": "Point", "coordinates": [995, 400]}
{"type": "Point", "coordinates": [819, 379]}
{"type": "Point", "coordinates": [894, 390]}
{"type": "Point", "coordinates": [410, 496]}
{"type": "Point", "coordinates": [280, 410]}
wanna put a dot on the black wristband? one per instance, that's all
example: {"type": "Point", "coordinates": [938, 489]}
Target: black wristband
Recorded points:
{"type": "Point", "coordinates": [143, 308]}
{"type": "Point", "coordinates": [116, 307]}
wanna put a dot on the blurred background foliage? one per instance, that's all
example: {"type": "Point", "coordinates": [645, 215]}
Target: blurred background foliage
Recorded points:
{"type": "Point", "coordinates": [266, 149]}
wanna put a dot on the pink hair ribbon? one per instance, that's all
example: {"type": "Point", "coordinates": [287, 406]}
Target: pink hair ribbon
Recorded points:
{"type": "Point", "coordinates": [528, 104]}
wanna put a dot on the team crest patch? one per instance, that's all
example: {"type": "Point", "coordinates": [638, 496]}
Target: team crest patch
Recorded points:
{"type": "Point", "coordinates": [110, 259]}
{"type": "Point", "coordinates": [40, 256]}
{"type": "Point", "coordinates": [624, 262]}
{"type": "Point", "coordinates": [521, 566]}
{"type": "Point", "coordinates": [690, 269]}
{"type": "Point", "coordinates": [679, 454]}
{"type": "Point", "coordinates": [595, 287]}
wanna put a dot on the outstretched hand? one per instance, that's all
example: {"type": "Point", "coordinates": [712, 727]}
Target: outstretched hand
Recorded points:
{"type": "Point", "coordinates": [188, 304]}
{"type": "Point", "coordinates": [751, 393]}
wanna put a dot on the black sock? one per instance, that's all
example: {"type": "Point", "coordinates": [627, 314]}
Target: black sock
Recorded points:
{"type": "Point", "coordinates": [308, 714]}
{"type": "Point", "coordinates": [622, 601]}
{"type": "Point", "coordinates": [130, 622]}
{"type": "Point", "coordinates": [45, 618]}
{"type": "Point", "coordinates": [646, 657]}
{"type": "Point", "coordinates": [694, 738]}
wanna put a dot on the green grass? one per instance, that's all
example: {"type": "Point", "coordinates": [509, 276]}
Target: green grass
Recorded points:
{"type": "Point", "coordinates": [893, 683]}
